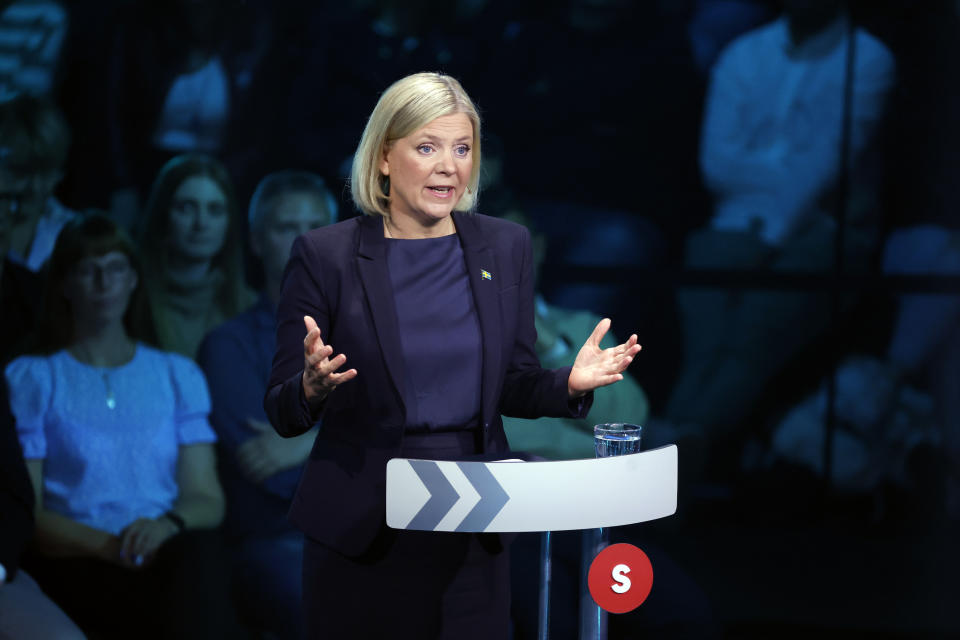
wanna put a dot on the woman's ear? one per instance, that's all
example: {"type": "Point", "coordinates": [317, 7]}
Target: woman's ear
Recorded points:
{"type": "Point", "coordinates": [385, 161]}
{"type": "Point", "coordinates": [256, 244]}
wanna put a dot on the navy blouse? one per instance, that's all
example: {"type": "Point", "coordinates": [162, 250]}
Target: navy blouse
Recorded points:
{"type": "Point", "coordinates": [439, 333]}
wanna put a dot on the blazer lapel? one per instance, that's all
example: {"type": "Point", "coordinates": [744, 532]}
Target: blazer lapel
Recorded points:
{"type": "Point", "coordinates": [481, 270]}
{"type": "Point", "coordinates": [372, 265]}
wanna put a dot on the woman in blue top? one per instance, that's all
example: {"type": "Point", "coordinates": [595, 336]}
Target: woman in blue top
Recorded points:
{"type": "Point", "coordinates": [120, 453]}
{"type": "Point", "coordinates": [433, 306]}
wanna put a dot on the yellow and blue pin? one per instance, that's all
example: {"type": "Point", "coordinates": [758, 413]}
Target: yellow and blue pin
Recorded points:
{"type": "Point", "coordinates": [485, 275]}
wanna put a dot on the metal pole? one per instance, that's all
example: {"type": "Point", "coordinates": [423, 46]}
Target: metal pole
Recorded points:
{"type": "Point", "coordinates": [543, 632]}
{"type": "Point", "coordinates": [593, 619]}
{"type": "Point", "coordinates": [843, 197]}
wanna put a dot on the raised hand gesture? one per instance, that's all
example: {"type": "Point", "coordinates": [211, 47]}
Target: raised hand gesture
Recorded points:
{"type": "Point", "coordinates": [320, 375]}
{"type": "Point", "coordinates": [596, 367]}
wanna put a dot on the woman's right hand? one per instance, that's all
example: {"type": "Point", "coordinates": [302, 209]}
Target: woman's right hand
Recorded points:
{"type": "Point", "coordinates": [319, 369]}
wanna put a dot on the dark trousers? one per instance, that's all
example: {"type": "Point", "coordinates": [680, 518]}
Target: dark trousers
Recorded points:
{"type": "Point", "coordinates": [736, 341]}
{"type": "Point", "coordinates": [412, 584]}
{"type": "Point", "coordinates": [409, 584]}
{"type": "Point", "coordinates": [183, 593]}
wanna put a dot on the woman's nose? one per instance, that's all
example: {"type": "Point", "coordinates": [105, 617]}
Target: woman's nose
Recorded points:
{"type": "Point", "coordinates": [100, 278]}
{"type": "Point", "coordinates": [202, 219]}
{"type": "Point", "coordinates": [444, 164]}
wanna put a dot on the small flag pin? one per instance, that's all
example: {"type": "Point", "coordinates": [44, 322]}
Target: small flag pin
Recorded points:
{"type": "Point", "coordinates": [485, 275]}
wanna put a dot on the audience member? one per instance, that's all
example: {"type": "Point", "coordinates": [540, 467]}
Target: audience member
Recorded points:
{"type": "Point", "coordinates": [892, 410]}
{"type": "Point", "coordinates": [557, 333]}
{"type": "Point", "coordinates": [25, 611]}
{"type": "Point", "coordinates": [192, 252]}
{"type": "Point", "coordinates": [185, 77]}
{"type": "Point", "coordinates": [31, 38]}
{"type": "Point", "coordinates": [19, 287]}
{"type": "Point", "coordinates": [260, 470]}
{"type": "Point", "coordinates": [771, 157]}
{"type": "Point", "coordinates": [120, 454]}
{"type": "Point", "coordinates": [33, 146]}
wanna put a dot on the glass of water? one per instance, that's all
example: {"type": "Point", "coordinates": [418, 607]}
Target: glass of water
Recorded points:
{"type": "Point", "coordinates": [616, 439]}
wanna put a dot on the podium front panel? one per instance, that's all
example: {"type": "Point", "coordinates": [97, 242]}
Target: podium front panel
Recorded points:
{"type": "Point", "coordinates": [507, 496]}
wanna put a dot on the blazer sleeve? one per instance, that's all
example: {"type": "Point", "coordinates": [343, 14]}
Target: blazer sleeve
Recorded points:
{"type": "Point", "coordinates": [301, 295]}
{"type": "Point", "coordinates": [529, 391]}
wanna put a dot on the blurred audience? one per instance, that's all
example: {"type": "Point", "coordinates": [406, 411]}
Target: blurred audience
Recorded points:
{"type": "Point", "coordinates": [557, 335]}
{"type": "Point", "coordinates": [894, 410]}
{"type": "Point", "coordinates": [31, 39]}
{"type": "Point", "coordinates": [33, 146]}
{"type": "Point", "coordinates": [120, 454]}
{"type": "Point", "coordinates": [341, 55]}
{"type": "Point", "coordinates": [908, 395]}
{"type": "Point", "coordinates": [185, 77]}
{"type": "Point", "coordinates": [25, 611]}
{"type": "Point", "coordinates": [192, 252]}
{"type": "Point", "coordinates": [20, 288]}
{"type": "Point", "coordinates": [925, 346]}
{"type": "Point", "coordinates": [260, 470]}
{"type": "Point", "coordinates": [715, 23]}
{"type": "Point", "coordinates": [770, 154]}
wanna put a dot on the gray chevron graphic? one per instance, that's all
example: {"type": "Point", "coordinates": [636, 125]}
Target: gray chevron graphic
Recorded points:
{"type": "Point", "coordinates": [442, 495]}
{"type": "Point", "coordinates": [492, 497]}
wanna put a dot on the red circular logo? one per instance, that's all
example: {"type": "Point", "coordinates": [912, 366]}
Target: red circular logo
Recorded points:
{"type": "Point", "coordinates": [620, 578]}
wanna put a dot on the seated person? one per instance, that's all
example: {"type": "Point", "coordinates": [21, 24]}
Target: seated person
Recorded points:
{"type": "Point", "coordinates": [557, 343]}
{"type": "Point", "coordinates": [770, 156]}
{"type": "Point", "coordinates": [25, 612]}
{"type": "Point", "coordinates": [120, 454]}
{"type": "Point", "coordinates": [260, 469]}
{"type": "Point", "coordinates": [33, 141]}
{"type": "Point", "coordinates": [192, 250]}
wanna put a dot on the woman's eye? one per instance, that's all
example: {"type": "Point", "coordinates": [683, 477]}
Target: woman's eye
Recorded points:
{"type": "Point", "coordinates": [462, 150]}
{"type": "Point", "coordinates": [185, 206]}
{"type": "Point", "coordinates": [217, 209]}
{"type": "Point", "coordinates": [424, 148]}
{"type": "Point", "coordinates": [116, 268]}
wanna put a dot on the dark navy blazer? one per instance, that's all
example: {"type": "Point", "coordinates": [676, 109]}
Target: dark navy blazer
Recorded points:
{"type": "Point", "coordinates": [338, 275]}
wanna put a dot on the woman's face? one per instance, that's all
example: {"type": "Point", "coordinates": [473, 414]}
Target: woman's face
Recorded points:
{"type": "Point", "coordinates": [99, 287]}
{"type": "Point", "coordinates": [429, 170]}
{"type": "Point", "coordinates": [198, 220]}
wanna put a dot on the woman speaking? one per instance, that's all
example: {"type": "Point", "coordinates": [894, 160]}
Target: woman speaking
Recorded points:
{"type": "Point", "coordinates": [429, 310]}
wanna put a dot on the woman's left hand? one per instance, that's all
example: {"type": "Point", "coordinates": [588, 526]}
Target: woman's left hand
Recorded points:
{"type": "Point", "coordinates": [142, 538]}
{"type": "Point", "coordinates": [596, 367]}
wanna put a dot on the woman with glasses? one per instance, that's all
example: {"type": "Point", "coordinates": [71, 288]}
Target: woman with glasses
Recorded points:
{"type": "Point", "coordinates": [120, 453]}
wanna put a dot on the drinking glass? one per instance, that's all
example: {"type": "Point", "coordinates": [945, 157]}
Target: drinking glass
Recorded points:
{"type": "Point", "coordinates": [616, 439]}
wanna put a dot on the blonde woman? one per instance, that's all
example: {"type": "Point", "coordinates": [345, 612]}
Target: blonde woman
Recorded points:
{"type": "Point", "coordinates": [429, 310]}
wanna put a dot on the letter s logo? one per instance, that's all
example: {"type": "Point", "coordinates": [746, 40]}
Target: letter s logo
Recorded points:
{"type": "Point", "coordinates": [618, 575]}
{"type": "Point", "coordinates": [622, 594]}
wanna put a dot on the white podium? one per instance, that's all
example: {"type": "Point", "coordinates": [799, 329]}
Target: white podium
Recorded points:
{"type": "Point", "coordinates": [514, 496]}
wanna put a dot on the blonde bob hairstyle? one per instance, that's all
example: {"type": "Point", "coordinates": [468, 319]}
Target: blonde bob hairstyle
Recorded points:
{"type": "Point", "coordinates": [407, 105]}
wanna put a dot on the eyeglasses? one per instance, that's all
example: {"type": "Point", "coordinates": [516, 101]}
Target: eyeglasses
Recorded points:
{"type": "Point", "coordinates": [12, 201]}
{"type": "Point", "coordinates": [88, 270]}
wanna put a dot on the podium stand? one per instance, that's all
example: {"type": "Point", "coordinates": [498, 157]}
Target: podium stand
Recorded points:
{"type": "Point", "coordinates": [514, 496]}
